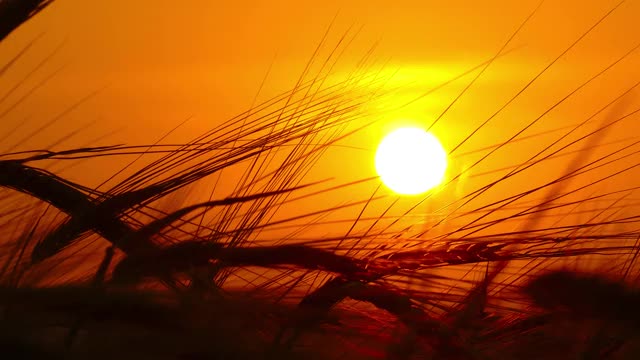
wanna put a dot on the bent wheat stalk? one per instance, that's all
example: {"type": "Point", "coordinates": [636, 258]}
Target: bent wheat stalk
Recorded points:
{"type": "Point", "coordinates": [67, 197]}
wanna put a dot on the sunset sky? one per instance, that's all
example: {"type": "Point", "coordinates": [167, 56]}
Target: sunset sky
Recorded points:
{"type": "Point", "coordinates": [158, 63]}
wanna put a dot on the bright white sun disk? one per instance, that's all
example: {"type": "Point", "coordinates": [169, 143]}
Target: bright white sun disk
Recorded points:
{"type": "Point", "coordinates": [411, 161]}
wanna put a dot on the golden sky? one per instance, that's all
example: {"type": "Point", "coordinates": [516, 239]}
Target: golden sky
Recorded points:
{"type": "Point", "coordinates": [157, 63]}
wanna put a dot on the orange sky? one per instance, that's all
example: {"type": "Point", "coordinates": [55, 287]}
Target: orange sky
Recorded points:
{"type": "Point", "coordinates": [159, 63]}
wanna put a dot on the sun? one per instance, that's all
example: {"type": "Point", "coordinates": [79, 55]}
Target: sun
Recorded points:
{"type": "Point", "coordinates": [411, 161]}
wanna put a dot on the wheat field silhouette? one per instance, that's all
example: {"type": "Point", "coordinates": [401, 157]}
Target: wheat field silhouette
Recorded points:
{"type": "Point", "coordinates": [268, 235]}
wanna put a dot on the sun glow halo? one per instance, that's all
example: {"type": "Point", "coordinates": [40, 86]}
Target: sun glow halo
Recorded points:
{"type": "Point", "coordinates": [410, 161]}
